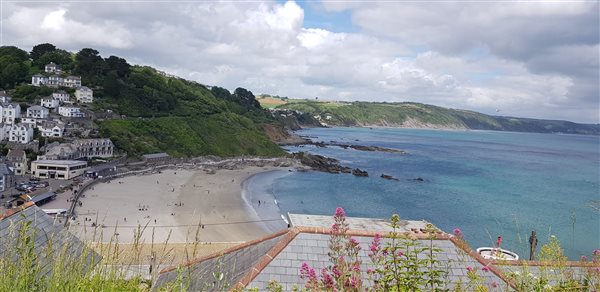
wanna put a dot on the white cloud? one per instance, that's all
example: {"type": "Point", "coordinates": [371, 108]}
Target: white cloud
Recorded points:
{"type": "Point", "coordinates": [531, 59]}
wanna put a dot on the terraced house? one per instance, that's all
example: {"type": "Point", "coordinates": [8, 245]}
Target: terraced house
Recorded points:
{"type": "Point", "coordinates": [89, 148]}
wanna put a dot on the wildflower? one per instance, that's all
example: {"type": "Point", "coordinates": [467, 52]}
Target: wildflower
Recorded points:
{"type": "Point", "coordinates": [469, 269]}
{"type": "Point", "coordinates": [485, 269]}
{"type": "Point", "coordinates": [596, 252]}
{"type": "Point", "coordinates": [353, 242]}
{"type": "Point", "coordinates": [583, 258]}
{"type": "Point", "coordinates": [327, 279]}
{"type": "Point", "coordinates": [339, 212]}
{"type": "Point", "coordinates": [494, 284]}
{"type": "Point", "coordinates": [400, 253]}
{"type": "Point", "coordinates": [376, 243]}
{"type": "Point", "coordinates": [457, 232]}
{"type": "Point", "coordinates": [370, 271]}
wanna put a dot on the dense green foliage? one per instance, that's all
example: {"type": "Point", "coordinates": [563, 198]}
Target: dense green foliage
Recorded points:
{"type": "Point", "coordinates": [409, 114]}
{"type": "Point", "coordinates": [158, 112]}
{"type": "Point", "coordinates": [224, 134]}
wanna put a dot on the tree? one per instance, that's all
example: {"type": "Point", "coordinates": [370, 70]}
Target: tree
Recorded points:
{"type": "Point", "coordinates": [60, 57]}
{"type": "Point", "coordinates": [40, 50]}
{"type": "Point", "coordinates": [89, 63]}
{"type": "Point", "coordinates": [119, 65]}
{"type": "Point", "coordinates": [18, 54]}
{"type": "Point", "coordinates": [246, 98]}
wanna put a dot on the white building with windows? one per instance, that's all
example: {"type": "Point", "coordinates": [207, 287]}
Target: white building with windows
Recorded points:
{"type": "Point", "coordinates": [72, 81]}
{"type": "Point", "coordinates": [70, 112]}
{"type": "Point", "coordinates": [51, 129]}
{"type": "Point", "coordinates": [61, 96]}
{"type": "Point", "coordinates": [18, 159]}
{"type": "Point", "coordinates": [9, 112]}
{"type": "Point", "coordinates": [49, 102]}
{"type": "Point", "coordinates": [52, 68]}
{"type": "Point", "coordinates": [20, 133]}
{"type": "Point", "coordinates": [37, 112]}
{"type": "Point", "coordinates": [39, 80]}
{"type": "Point", "coordinates": [58, 169]}
{"type": "Point", "coordinates": [89, 148]}
{"type": "Point", "coordinates": [84, 95]}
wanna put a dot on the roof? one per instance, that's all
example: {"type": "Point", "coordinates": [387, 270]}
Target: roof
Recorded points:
{"type": "Point", "coordinates": [155, 155]}
{"type": "Point", "coordinates": [36, 107]}
{"type": "Point", "coordinates": [279, 256]}
{"type": "Point", "coordinates": [43, 196]}
{"type": "Point", "coordinates": [15, 154]}
{"type": "Point", "coordinates": [84, 88]}
{"type": "Point", "coordinates": [46, 234]}
{"type": "Point", "coordinates": [4, 170]}
{"type": "Point", "coordinates": [59, 162]}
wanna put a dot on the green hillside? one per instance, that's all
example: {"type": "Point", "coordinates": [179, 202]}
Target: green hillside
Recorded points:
{"type": "Point", "coordinates": [417, 115]}
{"type": "Point", "coordinates": [151, 111]}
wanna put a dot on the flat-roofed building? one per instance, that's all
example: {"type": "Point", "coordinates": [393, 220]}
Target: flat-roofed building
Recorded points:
{"type": "Point", "coordinates": [58, 169]}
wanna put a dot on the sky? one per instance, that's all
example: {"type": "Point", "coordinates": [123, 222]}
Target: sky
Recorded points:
{"type": "Point", "coordinates": [537, 59]}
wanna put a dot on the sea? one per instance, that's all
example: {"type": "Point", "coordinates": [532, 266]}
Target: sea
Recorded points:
{"type": "Point", "coordinates": [486, 183]}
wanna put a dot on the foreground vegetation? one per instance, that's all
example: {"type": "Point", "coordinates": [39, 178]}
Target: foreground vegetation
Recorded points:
{"type": "Point", "coordinates": [410, 114]}
{"type": "Point", "coordinates": [396, 264]}
{"type": "Point", "coordinates": [144, 110]}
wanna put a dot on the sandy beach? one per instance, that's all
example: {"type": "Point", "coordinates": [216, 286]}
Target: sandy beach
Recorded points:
{"type": "Point", "coordinates": [178, 205]}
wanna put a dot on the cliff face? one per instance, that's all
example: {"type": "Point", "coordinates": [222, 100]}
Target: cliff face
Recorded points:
{"type": "Point", "coordinates": [416, 115]}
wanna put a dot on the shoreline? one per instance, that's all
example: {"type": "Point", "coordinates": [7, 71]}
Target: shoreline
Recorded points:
{"type": "Point", "coordinates": [177, 205]}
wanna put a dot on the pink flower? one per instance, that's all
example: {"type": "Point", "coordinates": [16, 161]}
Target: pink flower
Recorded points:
{"type": "Point", "coordinates": [469, 269]}
{"type": "Point", "coordinates": [457, 232]}
{"type": "Point", "coordinates": [485, 269]}
{"type": "Point", "coordinates": [353, 242]}
{"type": "Point", "coordinates": [596, 252]}
{"type": "Point", "coordinates": [376, 243]}
{"type": "Point", "coordinates": [499, 241]}
{"type": "Point", "coordinates": [583, 258]}
{"type": "Point", "coordinates": [400, 253]}
{"type": "Point", "coordinates": [370, 271]}
{"type": "Point", "coordinates": [494, 284]}
{"type": "Point", "coordinates": [339, 212]}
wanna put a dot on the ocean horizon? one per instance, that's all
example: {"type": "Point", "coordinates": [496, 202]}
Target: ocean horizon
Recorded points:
{"type": "Point", "coordinates": [486, 183]}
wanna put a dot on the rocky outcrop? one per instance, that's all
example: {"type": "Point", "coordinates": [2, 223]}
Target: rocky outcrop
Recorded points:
{"type": "Point", "coordinates": [386, 176]}
{"type": "Point", "coordinates": [359, 172]}
{"type": "Point", "coordinates": [321, 163]}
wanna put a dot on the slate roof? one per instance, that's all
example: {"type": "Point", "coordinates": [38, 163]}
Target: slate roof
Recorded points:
{"type": "Point", "coordinates": [50, 238]}
{"type": "Point", "coordinates": [279, 256]}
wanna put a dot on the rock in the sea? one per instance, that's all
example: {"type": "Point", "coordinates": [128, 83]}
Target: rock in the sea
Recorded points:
{"type": "Point", "coordinates": [359, 172]}
{"type": "Point", "coordinates": [386, 176]}
{"type": "Point", "coordinates": [418, 179]}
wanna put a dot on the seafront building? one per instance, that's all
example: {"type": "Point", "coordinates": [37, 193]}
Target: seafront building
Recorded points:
{"type": "Point", "coordinates": [18, 159]}
{"type": "Point", "coordinates": [70, 112]}
{"type": "Point", "coordinates": [84, 95]}
{"type": "Point", "coordinates": [58, 169]}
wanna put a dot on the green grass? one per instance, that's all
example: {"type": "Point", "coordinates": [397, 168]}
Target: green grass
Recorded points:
{"type": "Point", "coordinates": [224, 134]}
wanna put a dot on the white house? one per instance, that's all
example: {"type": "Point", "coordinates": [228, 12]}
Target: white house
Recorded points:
{"type": "Point", "coordinates": [61, 96]}
{"type": "Point", "coordinates": [55, 80]}
{"type": "Point", "coordinates": [58, 169]}
{"type": "Point", "coordinates": [20, 133]}
{"type": "Point", "coordinates": [50, 102]}
{"type": "Point", "coordinates": [38, 80]}
{"type": "Point", "coordinates": [37, 112]}
{"type": "Point", "coordinates": [70, 112]}
{"type": "Point", "coordinates": [84, 94]}
{"type": "Point", "coordinates": [4, 98]}
{"type": "Point", "coordinates": [72, 81]}
{"type": "Point", "coordinates": [89, 148]}
{"type": "Point", "coordinates": [9, 112]}
{"type": "Point", "coordinates": [51, 129]}
{"type": "Point", "coordinates": [52, 68]}
{"type": "Point", "coordinates": [18, 159]}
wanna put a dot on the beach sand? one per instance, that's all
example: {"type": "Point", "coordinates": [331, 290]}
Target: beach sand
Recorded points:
{"type": "Point", "coordinates": [176, 205]}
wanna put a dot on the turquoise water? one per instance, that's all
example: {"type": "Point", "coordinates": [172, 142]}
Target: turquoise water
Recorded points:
{"type": "Point", "coordinates": [485, 183]}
